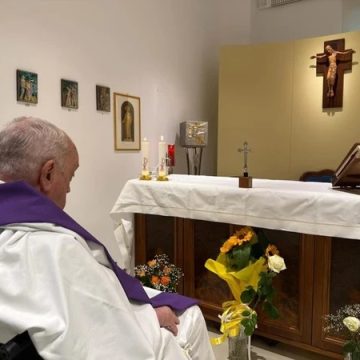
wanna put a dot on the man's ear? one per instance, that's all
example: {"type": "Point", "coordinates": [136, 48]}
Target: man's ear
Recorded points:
{"type": "Point", "coordinates": [47, 176]}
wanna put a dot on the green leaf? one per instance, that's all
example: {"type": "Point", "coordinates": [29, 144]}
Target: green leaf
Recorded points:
{"type": "Point", "coordinates": [253, 322]}
{"type": "Point", "coordinates": [254, 318]}
{"type": "Point", "coordinates": [254, 240]}
{"type": "Point", "coordinates": [271, 310]}
{"type": "Point", "coordinates": [267, 291]}
{"type": "Point", "coordinates": [355, 355]}
{"type": "Point", "coordinates": [238, 257]}
{"type": "Point", "coordinates": [349, 346]}
{"type": "Point", "coordinates": [248, 325]}
{"type": "Point", "coordinates": [248, 295]}
{"type": "Point", "coordinates": [246, 313]}
{"type": "Point", "coordinates": [244, 322]}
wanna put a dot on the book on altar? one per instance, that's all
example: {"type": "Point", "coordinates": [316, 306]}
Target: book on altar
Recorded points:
{"type": "Point", "coordinates": [348, 172]}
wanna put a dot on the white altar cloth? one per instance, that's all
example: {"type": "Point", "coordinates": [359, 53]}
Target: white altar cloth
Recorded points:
{"type": "Point", "coordinates": [303, 207]}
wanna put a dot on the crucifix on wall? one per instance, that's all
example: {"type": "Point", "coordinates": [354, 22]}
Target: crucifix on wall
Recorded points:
{"type": "Point", "coordinates": [332, 64]}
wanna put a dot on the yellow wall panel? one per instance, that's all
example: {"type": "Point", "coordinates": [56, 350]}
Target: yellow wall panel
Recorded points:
{"type": "Point", "coordinates": [270, 96]}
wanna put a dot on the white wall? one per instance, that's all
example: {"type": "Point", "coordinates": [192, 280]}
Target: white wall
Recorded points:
{"type": "Point", "coordinates": [303, 19]}
{"type": "Point", "coordinates": [351, 15]}
{"type": "Point", "coordinates": [164, 51]}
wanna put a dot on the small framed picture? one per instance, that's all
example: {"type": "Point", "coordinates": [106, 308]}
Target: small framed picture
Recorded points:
{"type": "Point", "coordinates": [102, 98]}
{"type": "Point", "coordinates": [69, 94]}
{"type": "Point", "coordinates": [26, 87]}
{"type": "Point", "coordinates": [126, 122]}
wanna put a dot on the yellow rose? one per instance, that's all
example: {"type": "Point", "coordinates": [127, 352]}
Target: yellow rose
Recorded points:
{"type": "Point", "coordinates": [352, 323]}
{"type": "Point", "coordinates": [276, 263]}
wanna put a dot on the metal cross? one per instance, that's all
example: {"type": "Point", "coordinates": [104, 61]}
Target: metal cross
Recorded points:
{"type": "Point", "coordinates": [245, 150]}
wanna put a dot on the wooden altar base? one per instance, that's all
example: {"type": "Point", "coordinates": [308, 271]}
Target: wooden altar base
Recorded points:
{"type": "Point", "coordinates": [318, 279]}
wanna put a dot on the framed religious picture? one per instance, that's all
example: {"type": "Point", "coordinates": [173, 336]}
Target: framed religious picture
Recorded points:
{"type": "Point", "coordinates": [126, 122]}
{"type": "Point", "coordinates": [102, 98]}
{"type": "Point", "coordinates": [69, 94]}
{"type": "Point", "coordinates": [26, 87]}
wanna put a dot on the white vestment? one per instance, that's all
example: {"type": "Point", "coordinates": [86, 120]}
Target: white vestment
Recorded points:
{"type": "Point", "coordinates": [73, 306]}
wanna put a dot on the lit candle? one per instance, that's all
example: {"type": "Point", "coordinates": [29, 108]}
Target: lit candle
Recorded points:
{"type": "Point", "coordinates": [162, 171]}
{"type": "Point", "coordinates": [145, 157]}
{"type": "Point", "coordinates": [162, 152]}
{"type": "Point", "coordinates": [171, 155]}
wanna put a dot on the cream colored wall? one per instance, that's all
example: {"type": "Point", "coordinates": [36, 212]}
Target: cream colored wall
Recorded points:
{"type": "Point", "coordinates": [270, 96]}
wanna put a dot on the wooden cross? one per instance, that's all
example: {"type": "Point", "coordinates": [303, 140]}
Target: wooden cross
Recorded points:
{"type": "Point", "coordinates": [332, 64]}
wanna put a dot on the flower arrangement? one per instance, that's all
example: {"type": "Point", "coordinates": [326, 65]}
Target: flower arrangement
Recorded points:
{"type": "Point", "coordinates": [159, 274]}
{"type": "Point", "coordinates": [345, 322]}
{"type": "Point", "coordinates": [248, 263]}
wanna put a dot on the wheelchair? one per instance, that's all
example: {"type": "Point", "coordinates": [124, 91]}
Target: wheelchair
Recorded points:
{"type": "Point", "coordinates": [20, 347]}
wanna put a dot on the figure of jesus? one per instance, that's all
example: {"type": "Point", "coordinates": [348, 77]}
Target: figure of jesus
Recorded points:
{"type": "Point", "coordinates": [245, 150]}
{"type": "Point", "coordinates": [127, 122]}
{"type": "Point", "coordinates": [22, 87]}
{"type": "Point", "coordinates": [332, 69]}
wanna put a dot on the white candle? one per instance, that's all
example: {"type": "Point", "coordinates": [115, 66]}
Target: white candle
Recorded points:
{"type": "Point", "coordinates": [162, 151]}
{"type": "Point", "coordinates": [162, 173]}
{"type": "Point", "coordinates": [145, 157]}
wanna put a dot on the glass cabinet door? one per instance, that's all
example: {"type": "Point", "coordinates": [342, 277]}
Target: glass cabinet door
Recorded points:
{"type": "Point", "coordinates": [337, 279]}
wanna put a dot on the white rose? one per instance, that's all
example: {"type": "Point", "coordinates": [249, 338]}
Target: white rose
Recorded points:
{"type": "Point", "coordinates": [352, 323]}
{"type": "Point", "coordinates": [276, 263]}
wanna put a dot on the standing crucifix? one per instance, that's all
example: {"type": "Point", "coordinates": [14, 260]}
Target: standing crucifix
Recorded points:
{"type": "Point", "coordinates": [245, 150]}
{"type": "Point", "coordinates": [245, 180]}
{"type": "Point", "coordinates": [332, 64]}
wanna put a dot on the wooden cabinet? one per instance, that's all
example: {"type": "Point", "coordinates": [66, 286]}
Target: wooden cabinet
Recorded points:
{"type": "Point", "coordinates": [322, 274]}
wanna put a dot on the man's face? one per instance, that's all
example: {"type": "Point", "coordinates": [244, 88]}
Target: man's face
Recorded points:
{"type": "Point", "coordinates": [329, 49]}
{"type": "Point", "coordinates": [62, 178]}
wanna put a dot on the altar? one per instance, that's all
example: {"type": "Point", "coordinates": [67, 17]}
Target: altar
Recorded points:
{"type": "Point", "coordinates": [315, 227]}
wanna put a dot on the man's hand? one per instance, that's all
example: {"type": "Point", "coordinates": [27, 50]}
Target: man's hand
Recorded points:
{"type": "Point", "coordinates": [167, 319]}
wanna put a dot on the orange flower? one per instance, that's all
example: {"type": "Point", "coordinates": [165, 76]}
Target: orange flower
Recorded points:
{"type": "Point", "coordinates": [155, 279]}
{"type": "Point", "coordinates": [165, 280]}
{"type": "Point", "coordinates": [240, 237]}
{"type": "Point", "coordinates": [245, 233]}
{"type": "Point", "coordinates": [271, 250]}
{"type": "Point", "coordinates": [229, 244]}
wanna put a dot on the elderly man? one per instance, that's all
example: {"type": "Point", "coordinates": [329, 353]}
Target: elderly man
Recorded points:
{"type": "Point", "coordinates": [59, 283]}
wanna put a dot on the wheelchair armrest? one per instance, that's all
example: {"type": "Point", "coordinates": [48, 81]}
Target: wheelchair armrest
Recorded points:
{"type": "Point", "coordinates": [19, 347]}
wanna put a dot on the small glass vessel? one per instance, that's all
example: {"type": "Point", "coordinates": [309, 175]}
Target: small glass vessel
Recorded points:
{"type": "Point", "coordinates": [239, 346]}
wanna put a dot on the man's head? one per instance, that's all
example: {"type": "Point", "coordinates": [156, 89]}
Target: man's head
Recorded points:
{"type": "Point", "coordinates": [39, 153]}
{"type": "Point", "coordinates": [329, 49]}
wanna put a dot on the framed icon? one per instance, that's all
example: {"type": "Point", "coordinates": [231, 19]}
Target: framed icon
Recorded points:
{"type": "Point", "coordinates": [26, 87]}
{"type": "Point", "coordinates": [69, 94]}
{"type": "Point", "coordinates": [102, 98]}
{"type": "Point", "coordinates": [126, 122]}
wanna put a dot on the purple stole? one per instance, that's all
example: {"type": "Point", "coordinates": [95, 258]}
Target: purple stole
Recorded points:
{"type": "Point", "coordinates": [21, 203]}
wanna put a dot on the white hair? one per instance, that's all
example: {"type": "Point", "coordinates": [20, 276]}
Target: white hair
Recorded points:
{"type": "Point", "coordinates": [26, 143]}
